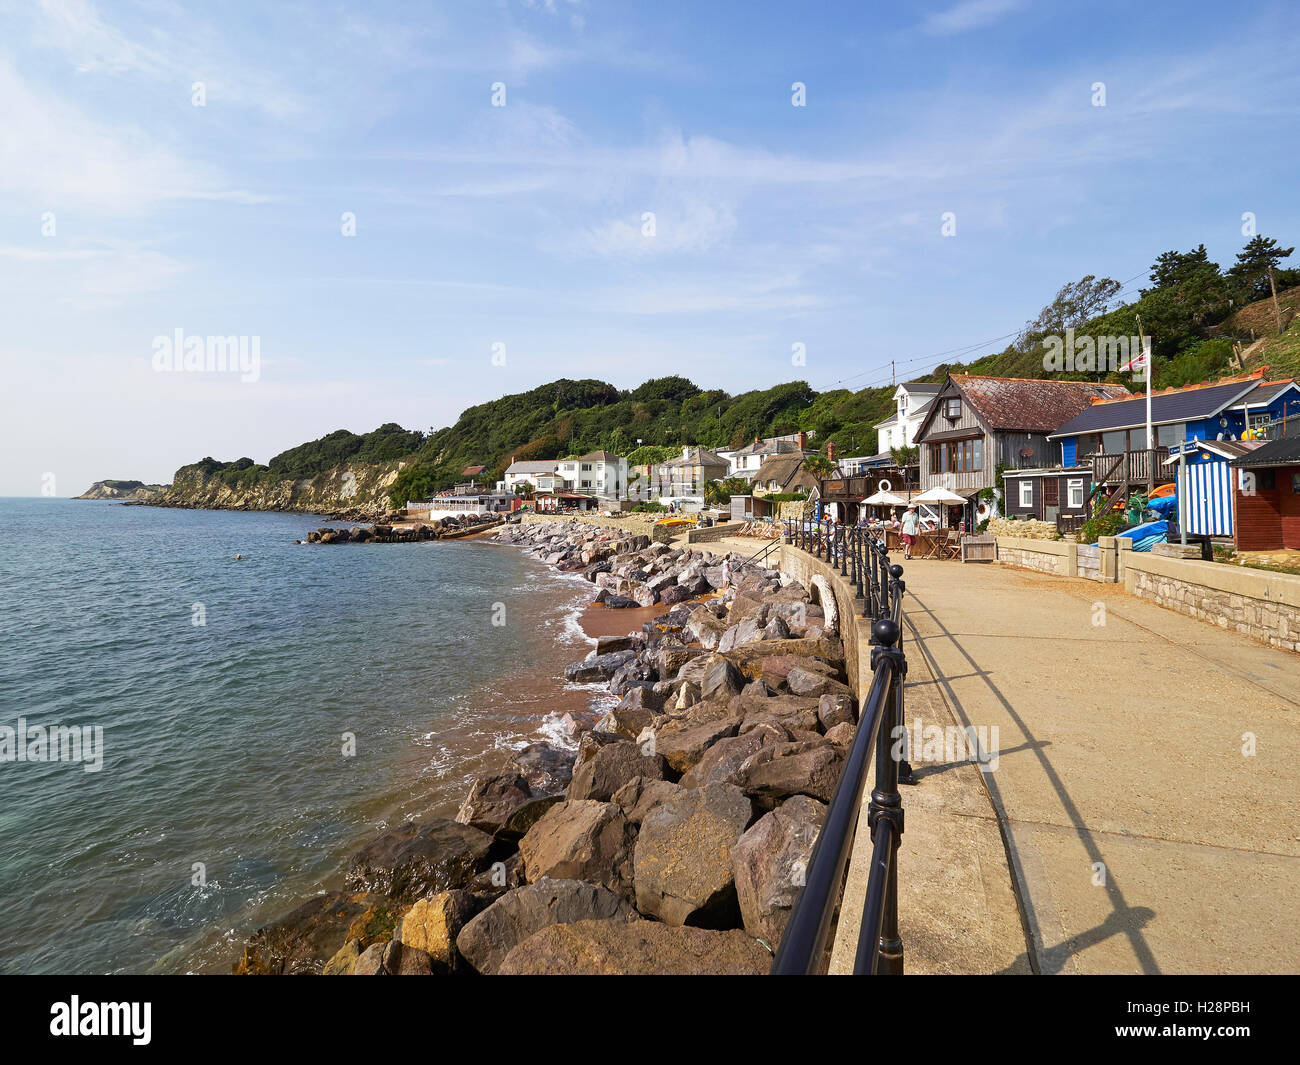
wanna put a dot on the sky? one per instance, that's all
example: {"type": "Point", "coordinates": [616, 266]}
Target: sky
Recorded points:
{"type": "Point", "coordinates": [407, 209]}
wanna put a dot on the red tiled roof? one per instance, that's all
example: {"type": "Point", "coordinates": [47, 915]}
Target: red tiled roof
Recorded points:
{"type": "Point", "coordinates": [1029, 405]}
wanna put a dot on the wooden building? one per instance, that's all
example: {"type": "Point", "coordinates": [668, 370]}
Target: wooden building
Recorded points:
{"type": "Point", "coordinates": [976, 424]}
{"type": "Point", "coordinates": [1266, 496]}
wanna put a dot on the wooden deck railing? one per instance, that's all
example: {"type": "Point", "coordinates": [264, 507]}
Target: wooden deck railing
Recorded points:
{"type": "Point", "coordinates": [1131, 467]}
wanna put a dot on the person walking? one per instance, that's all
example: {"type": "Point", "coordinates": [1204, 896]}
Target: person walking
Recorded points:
{"type": "Point", "coordinates": [909, 531]}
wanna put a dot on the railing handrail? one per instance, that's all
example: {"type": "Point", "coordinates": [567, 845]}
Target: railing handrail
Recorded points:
{"type": "Point", "coordinates": [865, 563]}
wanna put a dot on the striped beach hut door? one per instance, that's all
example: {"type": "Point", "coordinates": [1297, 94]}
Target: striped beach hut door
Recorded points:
{"type": "Point", "coordinates": [1205, 498]}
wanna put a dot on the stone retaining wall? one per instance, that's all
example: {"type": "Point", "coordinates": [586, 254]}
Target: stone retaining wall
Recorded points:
{"type": "Point", "coordinates": [1255, 603]}
{"type": "Point", "coordinates": [1043, 556]}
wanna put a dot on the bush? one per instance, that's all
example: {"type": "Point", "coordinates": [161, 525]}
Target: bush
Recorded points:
{"type": "Point", "coordinates": [1101, 525]}
{"type": "Point", "coordinates": [650, 508]}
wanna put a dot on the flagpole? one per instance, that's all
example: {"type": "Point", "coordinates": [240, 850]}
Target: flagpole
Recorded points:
{"type": "Point", "coordinates": [1146, 360]}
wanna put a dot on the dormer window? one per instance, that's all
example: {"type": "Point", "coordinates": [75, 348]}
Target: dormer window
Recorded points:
{"type": "Point", "coordinates": [952, 408]}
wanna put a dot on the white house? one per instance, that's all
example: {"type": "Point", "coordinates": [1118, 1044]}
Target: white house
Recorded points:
{"type": "Point", "coordinates": [539, 473]}
{"type": "Point", "coordinates": [912, 402]}
{"type": "Point", "coordinates": [598, 474]}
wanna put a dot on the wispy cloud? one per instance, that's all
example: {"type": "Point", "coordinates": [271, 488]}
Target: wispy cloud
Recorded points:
{"type": "Point", "coordinates": [969, 15]}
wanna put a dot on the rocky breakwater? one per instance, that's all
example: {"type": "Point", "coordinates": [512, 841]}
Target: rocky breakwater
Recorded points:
{"type": "Point", "coordinates": [395, 529]}
{"type": "Point", "coordinates": [673, 840]}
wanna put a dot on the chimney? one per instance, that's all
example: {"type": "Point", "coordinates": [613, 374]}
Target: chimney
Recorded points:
{"type": "Point", "coordinates": [801, 440]}
{"type": "Point", "coordinates": [830, 452]}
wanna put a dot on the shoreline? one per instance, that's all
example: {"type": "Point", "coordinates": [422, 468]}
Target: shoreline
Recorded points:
{"type": "Point", "coordinates": [732, 714]}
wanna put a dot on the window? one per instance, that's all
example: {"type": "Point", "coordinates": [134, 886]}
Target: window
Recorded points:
{"type": "Point", "coordinates": [586, 467]}
{"type": "Point", "coordinates": [1114, 442]}
{"type": "Point", "coordinates": [1075, 486]}
{"type": "Point", "coordinates": [952, 407]}
{"type": "Point", "coordinates": [1026, 493]}
{"type": "Point", "coordinates": [1167, 435]}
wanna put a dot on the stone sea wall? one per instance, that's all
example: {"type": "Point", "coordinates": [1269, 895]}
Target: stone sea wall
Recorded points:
{"type": "Point", "coordinates": [672, 840]}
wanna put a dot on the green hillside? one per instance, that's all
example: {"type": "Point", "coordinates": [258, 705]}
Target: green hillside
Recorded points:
{"type": "Point", "coordinates": [1204, 322]}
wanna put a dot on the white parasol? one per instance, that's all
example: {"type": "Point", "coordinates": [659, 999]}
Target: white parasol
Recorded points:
{"type": "Point", "coordinates": [939, 495]}
{"type": "Point", "coordinates": [885, 499]}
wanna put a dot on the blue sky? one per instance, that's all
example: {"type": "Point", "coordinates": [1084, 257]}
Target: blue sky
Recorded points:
{"type": "Point", "coordinates": [522, 225]}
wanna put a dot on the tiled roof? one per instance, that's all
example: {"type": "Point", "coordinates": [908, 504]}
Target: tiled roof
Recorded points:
{"type": "Point", "coordinates": [1028, 405]}
{"type": "Point", "coordinates": [532, 466]}
{"type": "Point", "coordinates": [922, 387]}
{"type": "Point", "coordinates": [472, 471]}
{"type": "Point", "coordinates": [1171, 405]}
{"type": "Point", "coordinates": [598, 456]}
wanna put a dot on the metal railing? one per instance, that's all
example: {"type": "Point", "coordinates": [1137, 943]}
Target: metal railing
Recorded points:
{"type": "Point", "coordinates": [864, 562]}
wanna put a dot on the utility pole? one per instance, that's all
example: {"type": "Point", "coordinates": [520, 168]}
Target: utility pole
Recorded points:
{"type": "Point", "coordinates": [891, 373]}
{"type": "Point", "coordinates": [1277, 311]}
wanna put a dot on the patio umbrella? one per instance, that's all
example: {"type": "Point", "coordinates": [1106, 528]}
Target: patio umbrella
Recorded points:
{"type": "Point", "coordinates": [939, 495]}
{"type": "Point", "coordinates": [885, 499]}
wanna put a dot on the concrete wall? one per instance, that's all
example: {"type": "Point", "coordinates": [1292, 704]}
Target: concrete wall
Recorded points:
{"type": "Point", "coordinates": [855, 630]}
{"type": "Point", "coordinates": [1255, 603]}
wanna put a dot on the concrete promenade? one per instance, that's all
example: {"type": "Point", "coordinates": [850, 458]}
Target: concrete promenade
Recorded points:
{"type": "Point", "coordinates": [1142, 839]}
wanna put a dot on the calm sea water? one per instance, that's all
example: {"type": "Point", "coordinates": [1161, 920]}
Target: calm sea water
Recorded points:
{"type": "Point", "coordinates": [223, 742]}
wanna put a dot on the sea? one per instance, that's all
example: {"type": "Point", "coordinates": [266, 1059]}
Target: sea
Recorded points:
{"type": "Point", "coordinates": [258, 720]}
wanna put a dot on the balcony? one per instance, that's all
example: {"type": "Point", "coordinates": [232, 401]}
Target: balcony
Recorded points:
{"type": "Point", "coordinates": [1130, 467]}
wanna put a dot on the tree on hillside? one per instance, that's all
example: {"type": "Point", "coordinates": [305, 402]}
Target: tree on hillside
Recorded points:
{"type": "Point", "coordinates": [819, 466]}
{"type": "Point", "coordinates": [1250, 273]}
{"type": "Point", "coordinates": [1174, 267]}
{"type": "Point", "coordinates": [1074, 304]}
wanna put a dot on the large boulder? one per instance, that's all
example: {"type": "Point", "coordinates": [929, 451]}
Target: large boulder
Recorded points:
{"type": "Point", "coordinates": [836, 708]}
{"type": "Point", "coordinates": [491, 801]}
{"type": "Point", "coordinates": [616, 948]}
{"type": "Point", "coordinates": [611, 767]}
{"type": "Point", "coordinates": [703, 628]}
{"type": "Point", "coordinates": [547, 769]}
{"type": "Point", "coordinates": [488, 938]}
{"type": "Point", "coordinates": [598, 667]}
{"type": "Point", "coordinates": [806, 767]}
{"type": "Point", "coordinates": [433, 924]}
{"type": "Point", "coordinates": [682, 861]}
{"type": "Point", "coordinates": [721, 763]}
{"type": "Point", "coordinates": [770, 863]}
{"type": "Point", "coordinates": [639, 796]}
{"type": "Point", "coordinates": [683, 743]}
{"type": "Point", "coordinates": [305, 939]}
{"type": "Point", "coordinates": [580, 840]}
{"type": "Point", "coordinates": [811, 683]}
{"type": "Point", "coordinates": [419, 859]}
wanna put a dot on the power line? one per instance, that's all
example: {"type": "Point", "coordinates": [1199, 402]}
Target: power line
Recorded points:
{"type": "Point", "coordinates": [964, 350]}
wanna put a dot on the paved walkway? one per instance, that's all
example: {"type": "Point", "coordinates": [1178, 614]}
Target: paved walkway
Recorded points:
{"type": "Point", "coordinates": [1142, 839]}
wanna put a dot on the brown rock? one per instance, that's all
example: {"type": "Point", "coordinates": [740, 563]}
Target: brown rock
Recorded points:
{"type": "Point", "coordinates": [770, 862]}
{"type": "Point", "coordinates": [419, 859]}
{"type": "Point", "coordinates": [431, 925]}
{"type": "Point", "coordinates": [778, 771]}
{"type": "Point", "coordinates": [579, 840]}
{"type": "Point", "coordinates": [682, 863]}
{"type": "Point", "coordinates": [518, 914]}
{"type": "Point", "coordinates": [615, 948]}
{"type": "Point", "coordinates": [611, 767]}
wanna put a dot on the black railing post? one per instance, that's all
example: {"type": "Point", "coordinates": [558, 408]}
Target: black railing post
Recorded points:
{"type": "Point", "coordinates": [879, 936]}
